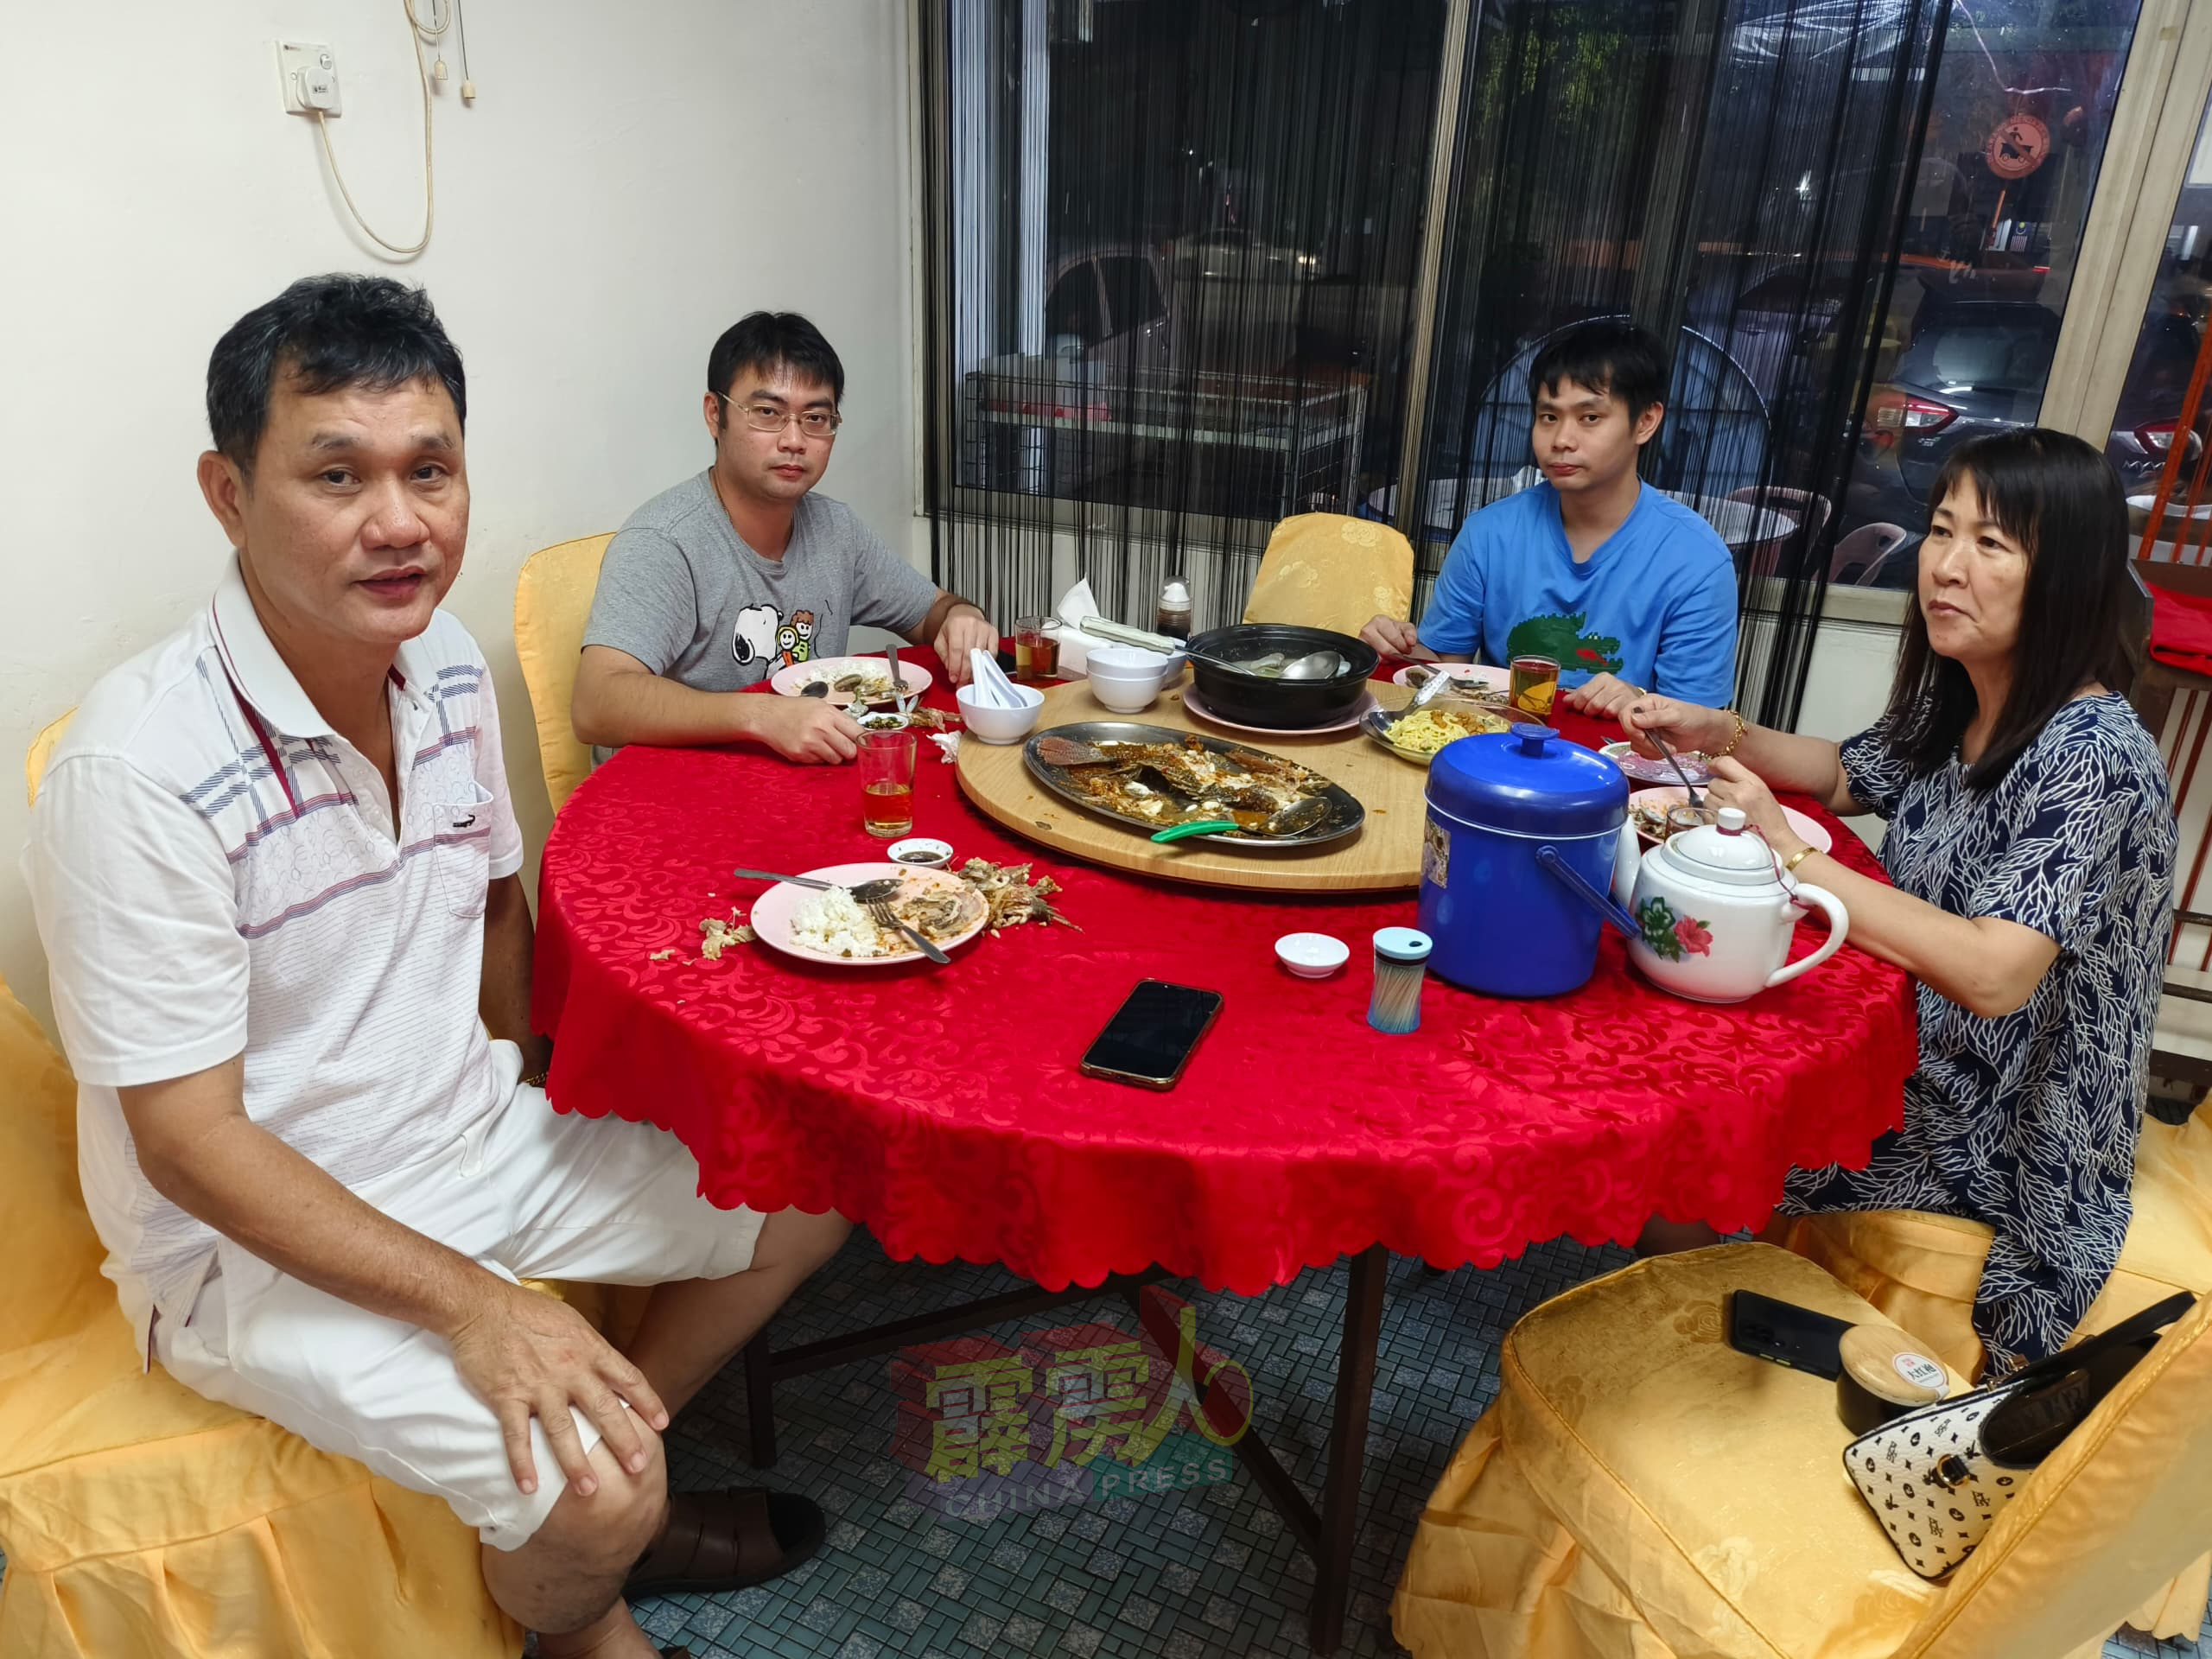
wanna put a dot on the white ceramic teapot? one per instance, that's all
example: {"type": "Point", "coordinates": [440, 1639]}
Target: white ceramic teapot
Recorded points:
{"type": "Point", "coordinates": [1713, 920]}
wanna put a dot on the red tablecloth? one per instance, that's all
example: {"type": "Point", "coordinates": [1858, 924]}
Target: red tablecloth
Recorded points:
{"type": "Point", "coordinates": [942, 1107]}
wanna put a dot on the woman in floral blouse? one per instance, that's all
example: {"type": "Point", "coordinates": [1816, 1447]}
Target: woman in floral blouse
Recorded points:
{"type": "Point", "coordinates": [2031, 845]}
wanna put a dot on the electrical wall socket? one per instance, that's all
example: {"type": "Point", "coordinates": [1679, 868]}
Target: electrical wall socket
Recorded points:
{"type": "Point", "coordinates": [310, 77]}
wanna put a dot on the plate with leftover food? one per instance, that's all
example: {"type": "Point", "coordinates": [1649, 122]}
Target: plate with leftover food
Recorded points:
{"type": "Point", "coordinates": [1151, 778]}
{"type": "Point", "coordinates": [1468, 679]}
{"type": "Point", "coordinates": [1645, 769]}
{"type": "Point", "coordinates": [1418, 736]}
{"type": "Point", "coordinates": [852, 679]}
{"type": "Point", "coordinates": [828, 924]}
{"type": "Point", "coordinates": [1653, 811]}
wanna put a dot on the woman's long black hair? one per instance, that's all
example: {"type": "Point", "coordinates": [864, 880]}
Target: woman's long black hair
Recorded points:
{"type": "Point", "coordinates": [2058, 498]}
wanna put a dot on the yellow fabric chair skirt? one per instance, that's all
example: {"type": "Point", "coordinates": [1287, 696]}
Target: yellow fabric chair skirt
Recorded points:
{"type": "Point", "coordinates": [1329, 570]}
{"type": "Point", "coordinates": [1922, 1271]}
{"type": "Point", "coordinates": [139, 1519]}
{"type": "Point", "coordinates": [1640, 1490]}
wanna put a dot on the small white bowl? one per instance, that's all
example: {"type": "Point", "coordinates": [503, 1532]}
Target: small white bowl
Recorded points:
{"type": "Point", "coordinates": [989, 724]}
{"type": "Point", "coordinates": [1312, 956]}
{"type": "Point", "coordinates": [1125, 698]}
{"type": "Point", "coordinates": [923, 852]}
{"type": "Point", "coordinates": [1127, 662]}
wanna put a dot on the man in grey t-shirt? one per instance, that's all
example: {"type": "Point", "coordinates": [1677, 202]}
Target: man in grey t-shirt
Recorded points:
{"type": "Point", "coordinates": [714, 585]}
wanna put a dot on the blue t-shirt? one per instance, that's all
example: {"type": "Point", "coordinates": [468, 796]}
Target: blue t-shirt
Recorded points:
{"type": "Point", "coordinates": [1654, 604]}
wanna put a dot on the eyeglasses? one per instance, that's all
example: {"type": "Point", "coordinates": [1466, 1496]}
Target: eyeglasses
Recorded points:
{"type": "Point", "coordinates": [766, 418]}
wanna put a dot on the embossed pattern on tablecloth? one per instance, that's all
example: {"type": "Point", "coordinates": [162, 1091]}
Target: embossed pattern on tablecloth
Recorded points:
{"type": "Point", "coordinates": [942, 1107]}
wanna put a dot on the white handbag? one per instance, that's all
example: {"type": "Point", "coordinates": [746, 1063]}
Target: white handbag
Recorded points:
{"type": "Point", "coordinates": [1937, 1477]}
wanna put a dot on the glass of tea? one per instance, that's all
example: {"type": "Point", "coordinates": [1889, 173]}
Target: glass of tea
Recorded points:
{"type": "Point", "coordinates": [1036, 647]}
{"type": "Point", "coordinates": [887, 768]}
{"type": "Point", "coordinates": [1534, 686]}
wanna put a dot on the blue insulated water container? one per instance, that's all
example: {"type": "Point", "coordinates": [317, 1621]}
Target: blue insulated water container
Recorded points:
{"type": "Point", "coordinates": [1501, 923]}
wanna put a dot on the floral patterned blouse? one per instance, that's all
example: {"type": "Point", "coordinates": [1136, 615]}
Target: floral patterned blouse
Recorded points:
{"type": "Point", "coordinates": [2028, 1121]}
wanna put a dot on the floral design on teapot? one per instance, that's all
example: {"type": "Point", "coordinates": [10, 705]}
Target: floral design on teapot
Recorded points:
{"type": "Point", "coordinates": [1670, 936]}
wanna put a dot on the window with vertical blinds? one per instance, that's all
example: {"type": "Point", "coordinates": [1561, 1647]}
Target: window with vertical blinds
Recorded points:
{"type": "Point", "coordinates": [1197, 265]}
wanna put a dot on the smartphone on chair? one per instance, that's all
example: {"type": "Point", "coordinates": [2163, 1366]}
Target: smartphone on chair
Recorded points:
{"type": "Point", "coordinates": [1786, 1334]}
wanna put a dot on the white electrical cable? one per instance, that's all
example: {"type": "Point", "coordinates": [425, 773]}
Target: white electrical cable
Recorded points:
{"type": "Point", "coordinates": [417, 30]}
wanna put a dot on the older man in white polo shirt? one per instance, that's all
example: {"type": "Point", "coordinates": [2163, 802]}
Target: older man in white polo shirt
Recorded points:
{"type": "Point", "coordinates": [274, 864]}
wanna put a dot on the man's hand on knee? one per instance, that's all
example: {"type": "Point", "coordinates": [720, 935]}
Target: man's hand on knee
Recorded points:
{"type": "Point", "coordinates": [527, 1354]}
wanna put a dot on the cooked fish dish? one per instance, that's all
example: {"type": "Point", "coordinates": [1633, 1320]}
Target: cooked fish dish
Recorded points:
{"type": "Point", "coordinates": [1168, 784]}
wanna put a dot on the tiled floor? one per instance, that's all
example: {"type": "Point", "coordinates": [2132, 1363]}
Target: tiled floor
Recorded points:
{"type": "Point", "coordinates": [1187, 1575]}
{"type": "Point", "coordinates": [1206, 1574]}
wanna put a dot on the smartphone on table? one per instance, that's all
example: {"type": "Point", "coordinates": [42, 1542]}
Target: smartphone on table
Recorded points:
{"type": "Point", "coordinates": [1150, 1038]}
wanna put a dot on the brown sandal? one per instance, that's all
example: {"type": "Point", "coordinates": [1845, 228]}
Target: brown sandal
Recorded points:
{"type": "Point", "coordinates": [727, 1540]}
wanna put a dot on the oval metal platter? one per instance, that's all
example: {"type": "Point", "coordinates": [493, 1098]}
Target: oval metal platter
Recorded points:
{"type": "Point", "coordinates": [1345, 814]}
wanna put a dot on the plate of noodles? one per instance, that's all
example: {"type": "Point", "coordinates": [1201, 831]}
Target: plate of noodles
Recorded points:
{"type": "Point", "coordinates": [1421, 736]}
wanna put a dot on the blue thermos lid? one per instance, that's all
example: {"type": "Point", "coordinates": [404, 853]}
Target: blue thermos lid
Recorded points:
{"type": "Point", "coordinates": [1528, 781]}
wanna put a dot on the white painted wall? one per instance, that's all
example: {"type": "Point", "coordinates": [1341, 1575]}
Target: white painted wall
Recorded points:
{"type": "Point", "coordinates": [629, 183]}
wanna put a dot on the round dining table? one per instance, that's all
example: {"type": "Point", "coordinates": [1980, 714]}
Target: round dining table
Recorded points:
{"type": "Point", "coordinates": [942, 1108]}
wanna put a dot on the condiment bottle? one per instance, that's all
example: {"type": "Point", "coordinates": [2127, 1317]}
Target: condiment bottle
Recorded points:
{"type": "Point", "coordinates": [1886, 1375]}
{"type": "Point", "coordinates": [1173, 616]}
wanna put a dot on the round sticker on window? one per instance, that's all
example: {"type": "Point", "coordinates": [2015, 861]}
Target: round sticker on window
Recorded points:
{"type": "Point", "coordinates": [1919, 1371]}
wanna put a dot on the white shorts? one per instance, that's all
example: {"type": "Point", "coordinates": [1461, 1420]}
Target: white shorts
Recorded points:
{"type": "Point", "coordinates": [529, 1194]}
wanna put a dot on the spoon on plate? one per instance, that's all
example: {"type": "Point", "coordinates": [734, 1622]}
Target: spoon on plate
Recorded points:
{"type": "Point", "coordinates": [1696, 802]}
{"type": "Point", "coordinates": [1292, 820]}
{"type": "Point", "coordinates": [874, 896]}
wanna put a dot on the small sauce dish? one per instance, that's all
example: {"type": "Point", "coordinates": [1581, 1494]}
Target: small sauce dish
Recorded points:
{"type": "Point", "coordinates": [921, 851]}
{"type": "Point", "coordinates": [1310, 956]}
{"type": "Point", "coordinates": [885, 720]}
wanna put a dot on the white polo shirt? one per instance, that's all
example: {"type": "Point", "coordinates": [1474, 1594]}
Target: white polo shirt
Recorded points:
{"type": "Point", "coordinates": [214, 870]}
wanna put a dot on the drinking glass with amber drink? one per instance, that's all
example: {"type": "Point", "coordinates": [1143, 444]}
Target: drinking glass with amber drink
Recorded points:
{"type": "Point", "coordinates": [1535, 685]}
{"type": "Point", "coordinates": [1037, 648]}
{"type": "Point", "coordinates": [886, 768]}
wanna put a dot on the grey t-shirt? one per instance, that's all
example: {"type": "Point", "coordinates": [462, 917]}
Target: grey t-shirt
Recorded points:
{"type": "Point", "coordinates": [682, 594]}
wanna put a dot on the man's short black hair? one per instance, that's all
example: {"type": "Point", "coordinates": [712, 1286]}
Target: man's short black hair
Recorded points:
{"type": "Point", "coordinates": [327, 333]}
{"type": "Point", "coordinates": [772, 339]}
{"type": "Point", "coordinates": [1612, 356]}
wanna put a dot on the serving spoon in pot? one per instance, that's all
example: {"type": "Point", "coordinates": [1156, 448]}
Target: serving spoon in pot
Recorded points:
{"type": "Point", "coordinates": [1314, 666]}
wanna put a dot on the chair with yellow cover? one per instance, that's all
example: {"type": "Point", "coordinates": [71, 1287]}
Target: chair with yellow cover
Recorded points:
{"type": "Point", "coordinates": [138, 1518]}
{"type": "Point", "coordinates": [42, 752]}
{"type": "Point", "coordinates": [1922, 1271]}
{"type": "Point", "coordinates": [1328, 570]}
{"type": "Point", "coordinates": [552, 604]}
{"type": "Point", "coordinates": [1641, 1491]}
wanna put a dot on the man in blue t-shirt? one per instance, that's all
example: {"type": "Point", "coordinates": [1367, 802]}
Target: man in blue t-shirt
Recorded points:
{"type": "Point", "coordinates": [1627, 590]}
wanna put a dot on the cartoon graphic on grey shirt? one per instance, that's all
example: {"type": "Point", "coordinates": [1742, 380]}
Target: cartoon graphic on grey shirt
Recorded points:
{"type": "Point", "coordinates": [679, 591]}
{"type": "Point", "coordinates": [754, 638]}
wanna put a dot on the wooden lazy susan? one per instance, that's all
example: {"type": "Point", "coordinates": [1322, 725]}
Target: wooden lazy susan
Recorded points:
{"type": "Point", "coordinates": [1384, 856]}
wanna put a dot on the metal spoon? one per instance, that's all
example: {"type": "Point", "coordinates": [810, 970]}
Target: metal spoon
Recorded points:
{"type": "Point", "coordinates": [1314, 666]}
{"type": "Point", "coordinates": [1431, 689]}
{"type": "Point", "coordinates": [873, 896]}
{"type": "Point", "coordinates": [1292, 820]}
{"type": "Point", "coordinates": [898, 680]}
{"type": "Point", "coordinates": [1695, 800]}
{"type": "Point", "coordinates": [814, 688]}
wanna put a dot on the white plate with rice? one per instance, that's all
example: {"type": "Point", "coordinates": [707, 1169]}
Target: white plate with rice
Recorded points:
{"type": "Point", "coordinates": [828, 926]}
